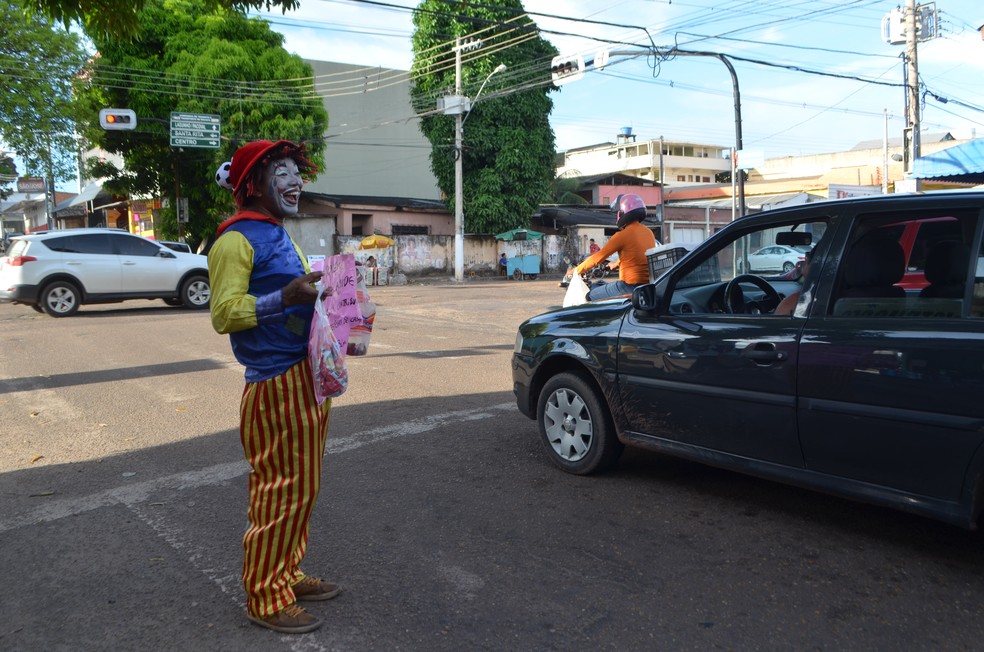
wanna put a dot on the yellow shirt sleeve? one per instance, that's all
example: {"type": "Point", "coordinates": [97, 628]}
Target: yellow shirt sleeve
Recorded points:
{"type": "Point", "coordinates": [230, 263]}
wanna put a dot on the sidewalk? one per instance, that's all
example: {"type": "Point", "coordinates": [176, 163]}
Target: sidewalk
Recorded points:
{"type": "Point", "coordinates": [440, 279]}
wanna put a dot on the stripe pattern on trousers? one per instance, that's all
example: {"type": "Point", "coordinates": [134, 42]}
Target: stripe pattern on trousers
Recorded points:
{"type": "Point", "coordinates": [283, 431]}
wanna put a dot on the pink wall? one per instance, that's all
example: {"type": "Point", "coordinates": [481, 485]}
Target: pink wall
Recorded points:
{"type": "Point", "coordinates": [650, 194]}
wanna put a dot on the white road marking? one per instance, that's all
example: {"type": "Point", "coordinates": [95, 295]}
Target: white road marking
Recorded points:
{"type": "Point", "coordinates": [133, 497]}
{"type": "Point", "coordinates": [133, 494]}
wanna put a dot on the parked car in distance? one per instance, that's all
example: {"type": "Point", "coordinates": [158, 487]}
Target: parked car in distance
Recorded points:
{"type": "Point", "coordinates": [870, 389]}
{"type": "Point", "coordinates": [177, 246]}
{"type": "Point", "coordinates": [58, 271]}
{"type": "Point", "coordinates": [775, 258]}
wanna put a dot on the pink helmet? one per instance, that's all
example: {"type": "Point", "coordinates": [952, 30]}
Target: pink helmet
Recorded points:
{"type": "Point", "coordinates": [628, 209]}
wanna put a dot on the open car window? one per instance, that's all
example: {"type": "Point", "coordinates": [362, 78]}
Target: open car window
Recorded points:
{"type": "Point", "coordinates": [775, 254]}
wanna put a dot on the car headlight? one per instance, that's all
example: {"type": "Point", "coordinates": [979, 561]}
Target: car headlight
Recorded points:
{"type": "Point", "coordinates": [518, 346]}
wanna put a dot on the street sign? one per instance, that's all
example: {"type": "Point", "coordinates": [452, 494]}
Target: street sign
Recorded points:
{"type": "Point", "coordinates": [183, 210]}
{"type": "Point", "coordinates": [30, 184]}
{"type": "Point", "coordinates": [195, 130]}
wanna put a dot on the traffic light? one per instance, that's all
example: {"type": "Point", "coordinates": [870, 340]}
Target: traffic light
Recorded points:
{"type": "Point", "coordinates": [117, 119]}
{"type": "Point", "coordinates": [566, 68]}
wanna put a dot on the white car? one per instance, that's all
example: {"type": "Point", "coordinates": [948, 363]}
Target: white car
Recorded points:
{"type": "Point", "coordinates": [58, 271]}
{"type": "Point", "coordinates": [774, 258]}
{"type": "Point", "coordinates": [177, 246]}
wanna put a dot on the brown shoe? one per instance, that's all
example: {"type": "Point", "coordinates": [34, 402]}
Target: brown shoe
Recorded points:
{"type": "Point", "coordinates": [312, 589]}
{"type": "Point", "coordinates": [292, 619]}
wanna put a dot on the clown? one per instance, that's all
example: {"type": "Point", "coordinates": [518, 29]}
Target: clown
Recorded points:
{"type": "Point", "coordinates": [262, 296]}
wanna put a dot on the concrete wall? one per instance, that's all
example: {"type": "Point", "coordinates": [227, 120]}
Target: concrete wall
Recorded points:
{"type": "Point", "coordinates": [863, 167]}
{"type": "Point", "coordinates": [427, 255]}
{"type": "Point", "coordinates": [374, 144]}
{"type": "Point", "coordinates": [315, 235]}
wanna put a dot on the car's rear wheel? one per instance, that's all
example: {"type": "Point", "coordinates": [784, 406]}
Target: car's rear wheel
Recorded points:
{"type": "Point", "coordinates": [196, 292]}
{"type": "Point", "coordinates": [575, 426]}
{"type": "Point", "coordinates": [61, 299]}
{"type": "Point", "coordinates": [788, 266]}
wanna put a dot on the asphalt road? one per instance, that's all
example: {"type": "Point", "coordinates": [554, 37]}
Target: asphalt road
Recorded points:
{"type": "Point", "coordinates": [123, 498]}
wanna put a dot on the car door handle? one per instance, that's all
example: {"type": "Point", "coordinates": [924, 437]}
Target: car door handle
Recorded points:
{"type": "Point", "coordinates": [763, 353]}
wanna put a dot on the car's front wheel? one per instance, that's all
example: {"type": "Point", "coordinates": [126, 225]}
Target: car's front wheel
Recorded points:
{"type": "Point", "coordinates": [196, 292]}
{"type": "Point", "coordinates": [61, 299]}
{"type": "Point", "coordinates": [575, 426]}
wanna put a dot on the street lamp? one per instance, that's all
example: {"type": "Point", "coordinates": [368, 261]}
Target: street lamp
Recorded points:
{"type": "Point", "coordinates": [459, 217]}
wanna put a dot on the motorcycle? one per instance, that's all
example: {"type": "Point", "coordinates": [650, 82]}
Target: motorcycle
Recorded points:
{"type": "Point", "coordinates": [596, 273]}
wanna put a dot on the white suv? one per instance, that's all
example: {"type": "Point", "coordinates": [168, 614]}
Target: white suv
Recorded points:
{"type": "Point", "coordinates": [57, 271]}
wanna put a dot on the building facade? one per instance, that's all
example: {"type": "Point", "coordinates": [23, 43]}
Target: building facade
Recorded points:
{"type": "Point", "coordinates": [660, 161]}
{"type": "Point", "coordinates": [374, 142]}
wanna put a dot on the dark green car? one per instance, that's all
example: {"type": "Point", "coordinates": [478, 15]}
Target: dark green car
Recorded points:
{"type": "Point", "coordinates": [867, 381]}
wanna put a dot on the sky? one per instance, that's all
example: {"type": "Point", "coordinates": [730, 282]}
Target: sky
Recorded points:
{"type": "Point", "coordinates": [831, 81]}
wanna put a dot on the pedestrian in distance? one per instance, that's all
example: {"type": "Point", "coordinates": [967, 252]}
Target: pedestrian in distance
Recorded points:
{"type": "Point", "coordinates": [592, 247]}
{"type": "Point", "coordinates": [630, 242]}
{"type": "Point", "coordinates": [263, 297]}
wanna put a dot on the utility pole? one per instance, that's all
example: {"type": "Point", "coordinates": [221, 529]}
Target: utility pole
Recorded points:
{"type": "Point", "coordinates": [457, 104]}
{"type": "Point", "coordinates": [49, 192]}
{"type": "Point", "coordinates": [459, 202]}
{"type": "Point", "coordinates": [572, 67]}
{"type": "Point", "coordinates": [885, 156]}
{"type": "Point", "coordinates": [662, 190]}
{"type": "Point", "coordinates": [912, 149]}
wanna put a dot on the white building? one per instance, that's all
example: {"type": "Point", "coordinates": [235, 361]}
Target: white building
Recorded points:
{"type": "Point", "coordinates": [675, 163]}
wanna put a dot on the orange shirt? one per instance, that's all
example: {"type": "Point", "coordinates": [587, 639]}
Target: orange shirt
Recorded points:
{"type": "Point", "coordinates": [631, 244]}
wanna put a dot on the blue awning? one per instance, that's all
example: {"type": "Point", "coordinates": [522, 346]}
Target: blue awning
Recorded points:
{"type": "Point", "coordinates": [961, 163]}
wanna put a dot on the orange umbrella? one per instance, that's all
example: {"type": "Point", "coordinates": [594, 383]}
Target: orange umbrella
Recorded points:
{"type": "Point", "coordinates": [376, 241]}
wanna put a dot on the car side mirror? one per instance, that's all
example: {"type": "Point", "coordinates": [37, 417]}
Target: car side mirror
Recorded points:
{"type": "Point", "coordinates": [645, 298]}
{"type": "Point", "coordinates": [164, 253]}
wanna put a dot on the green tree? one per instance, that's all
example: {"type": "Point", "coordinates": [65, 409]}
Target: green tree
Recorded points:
{"type": "Point", "coordinates": [121, 17]}
{"type": "Point", "coordinates": [8, 174]}
{"type": "Point", "coordinates": [190, 58]}
{"type": "Point", "coordinates": [508, 145]}
{"type": "Point", "coordinates": [563, 190]}
{"type": "Point", "coordinates": [38, 63]}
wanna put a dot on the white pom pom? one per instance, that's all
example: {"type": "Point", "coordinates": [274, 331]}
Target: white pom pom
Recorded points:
{"type": "Point", "coordinates": [222, 175]}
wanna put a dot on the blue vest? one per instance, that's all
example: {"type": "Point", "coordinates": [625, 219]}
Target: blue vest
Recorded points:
{"type": "Point", "coordinates": [269, 349]}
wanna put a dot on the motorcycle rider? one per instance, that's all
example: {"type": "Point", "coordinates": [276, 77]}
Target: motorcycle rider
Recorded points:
{"type": "Point", "coordinates": [630, 242]}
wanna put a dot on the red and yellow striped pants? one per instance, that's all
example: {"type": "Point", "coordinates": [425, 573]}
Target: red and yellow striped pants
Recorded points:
{"type": "Point", "coordinates": [283, 431]}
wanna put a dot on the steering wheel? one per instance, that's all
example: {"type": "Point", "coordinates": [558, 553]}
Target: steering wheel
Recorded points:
{"type": "Point", "coordinates": [734, 298]}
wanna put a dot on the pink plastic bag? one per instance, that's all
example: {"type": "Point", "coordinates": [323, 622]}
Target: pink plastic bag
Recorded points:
{"type": "Point", "coordinates": [342, 304]}
{"type": "Point", "coordinates": [361, 332]}
{"type": "Point", "coordinates": [325, 354]}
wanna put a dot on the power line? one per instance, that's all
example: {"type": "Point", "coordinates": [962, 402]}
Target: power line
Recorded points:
{"type": "Point", "coordinates": [790, 46]}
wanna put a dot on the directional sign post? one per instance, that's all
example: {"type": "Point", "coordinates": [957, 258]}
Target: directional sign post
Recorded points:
{"type": "Point", "coordinates": [195, 130]}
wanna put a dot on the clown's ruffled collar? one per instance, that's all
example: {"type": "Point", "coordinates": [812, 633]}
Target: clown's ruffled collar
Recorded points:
{"type": "Point", "coordinates": [246, 215]}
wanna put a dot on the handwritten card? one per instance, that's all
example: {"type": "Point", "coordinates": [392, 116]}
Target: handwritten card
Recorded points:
{"type": "Point", "coordinates": [342, 304]}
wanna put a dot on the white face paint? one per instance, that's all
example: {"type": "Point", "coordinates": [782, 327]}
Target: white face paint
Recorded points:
{"type": "Point", "coordinates": [281, 185]}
